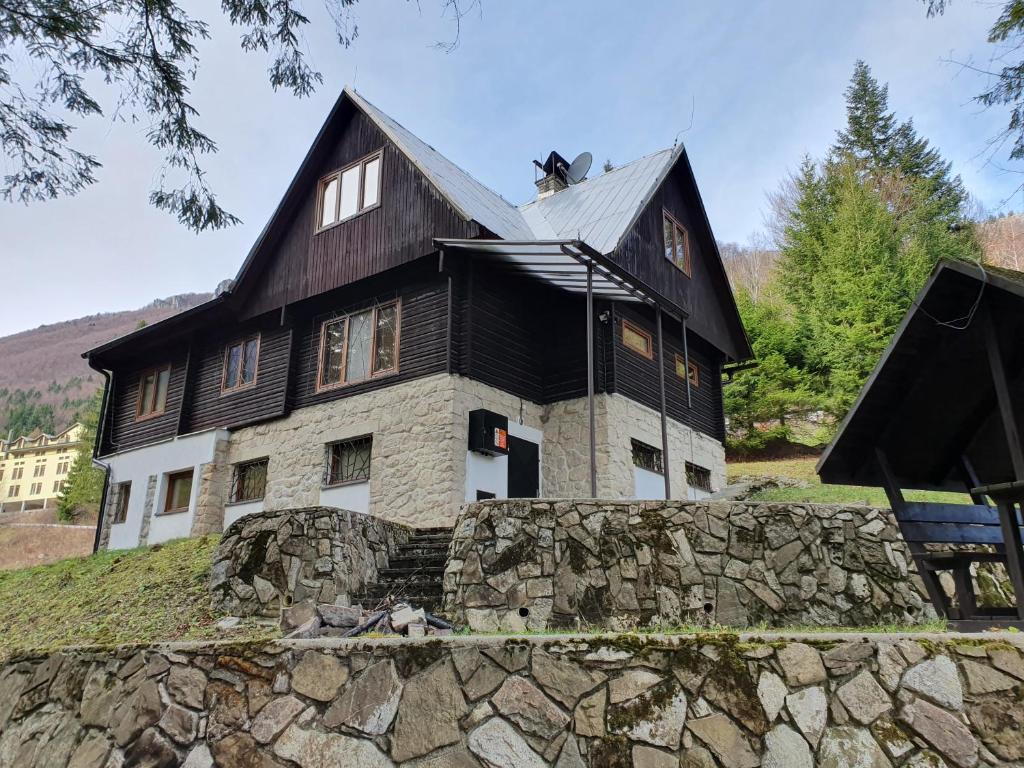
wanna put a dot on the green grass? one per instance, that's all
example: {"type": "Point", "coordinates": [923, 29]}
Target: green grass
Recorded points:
{"type": "Point", "coordinates": [136, 596]}
{"type": "Point", "coordinates": [803, 469]}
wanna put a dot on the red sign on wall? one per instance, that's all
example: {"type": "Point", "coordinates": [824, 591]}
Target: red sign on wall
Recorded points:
{"type": "Point", "coordinates": [500, 438]}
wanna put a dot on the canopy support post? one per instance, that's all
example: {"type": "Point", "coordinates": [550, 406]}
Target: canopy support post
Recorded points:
{"type": "Point", "coordinates": [590, 378]}
{"type": "Point", "coordinates": [1005, 401]}
{"type": "Point", "coordinates": [664, 419]}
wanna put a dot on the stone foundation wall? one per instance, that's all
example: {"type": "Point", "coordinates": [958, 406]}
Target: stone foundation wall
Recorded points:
{"type": "Point", "coordinates": [712, 701]}
{"type": "Point", "coordinates": [517, 565]}
{"type": "Point", "coordinates": [271, 559]}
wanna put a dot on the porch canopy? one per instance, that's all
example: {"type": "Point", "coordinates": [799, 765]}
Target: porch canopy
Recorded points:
{"type": "Point", "coordinates": [573, 266]}
{"type": "Point", "coordinates": [931, 405]}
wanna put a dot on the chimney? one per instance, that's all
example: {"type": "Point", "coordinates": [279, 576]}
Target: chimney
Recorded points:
{"type": "Point", "coordinates": [554, 178]}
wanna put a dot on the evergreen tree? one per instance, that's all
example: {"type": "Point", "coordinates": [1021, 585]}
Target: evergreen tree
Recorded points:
{"type": "Point", "coordinates": [84, 485]}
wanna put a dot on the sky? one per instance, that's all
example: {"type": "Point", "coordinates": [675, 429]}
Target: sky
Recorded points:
{"type": "Point", "coordinates": [749, 86]}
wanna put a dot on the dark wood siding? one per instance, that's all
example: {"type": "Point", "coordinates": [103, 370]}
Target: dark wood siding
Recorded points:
{"type": "Point", "coordinates": [422, 344]}
{"type": "Point", "coordinates": [124, 430]}
{"type": "Point", "coordinates": [208, 407]}
{"type": "Point", "coordinates": [297, 263]}
{"type": "Point", "coordinates": [636, 376]}
{"type": "Point", "coordinates": [706, 294]}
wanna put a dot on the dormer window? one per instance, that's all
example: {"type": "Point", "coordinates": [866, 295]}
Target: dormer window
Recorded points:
{"type": "Point", "coordinates": [677, 243]}
{"type": "Point", "coordinates": [349, 191]}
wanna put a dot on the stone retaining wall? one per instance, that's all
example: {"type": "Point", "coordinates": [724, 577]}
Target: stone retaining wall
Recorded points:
{"type": "Point", "coordinates": [711, 701]}
{"type": "Point", "coordinates": [269, 559]}
{"type": "Point", "coordinates": [536, 564]}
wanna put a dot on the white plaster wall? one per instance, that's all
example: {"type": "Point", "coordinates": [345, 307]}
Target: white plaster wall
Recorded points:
{"type": "Point", "coordinates": [136, 466]}
{"type": "Point", "coordinates": [647, 484]}
{"type": "Point", "coordinates": [490, 473]}
{"type": "Point", "coordinates": [353, 496]}
{"type": "Point", "coordinates": [237, 511]}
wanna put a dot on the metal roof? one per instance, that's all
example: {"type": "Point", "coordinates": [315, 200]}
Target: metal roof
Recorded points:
{"type": "Point", "coordinates": [600, 210]}
{"type": "Point", "coordinates": [563, 264]}
{"type": "Point", "coordinates": [473, 200]}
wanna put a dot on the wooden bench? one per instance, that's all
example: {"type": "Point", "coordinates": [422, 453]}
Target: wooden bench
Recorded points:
{"type": "Point", "coordinates": [924, 523]}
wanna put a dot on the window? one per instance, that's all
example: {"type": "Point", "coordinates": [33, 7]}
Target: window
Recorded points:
{"type": "Point", "coordinates": [1, 474]}
{"type": "Point", "coordinates": [647, 457]}
{"type": "Point", "coordinates": [153, 392]}
{"type": "Point", "coordinates": [350, 191]}
{"type": "Point", "coordinates": [17, 472]}
{"type": "Point", "coordinates": [686, 370]}
{"type": "Point", "coordinates": [240, 362]}
{"type": "Point", "coordinates": [349, 461]}
{"type": "Point", "coordinates": [123, 493]}
{"type": "Point", "coordinates": [38, 470]}
{"type": "Point", "coordinates": [677, 243]}
{"type": "Point", "coordinates": [62, 468]}
{"type": "Point", "coordinates": [58, 486]}
{"type": "Point", "coordinates": [637, 339]}
{"type": "Point", "coordinates": [358, 346]}
{"type": "Point", "coordinates": [698, 478]}
{"type": "Point", "coordinates": [13, 491]}
{"type": "Point", "coordinates": [179, 492]}
{"type": "Point", "coordinates": [250, 480]}
{"type": "Point", "coordinates": [35, 489]}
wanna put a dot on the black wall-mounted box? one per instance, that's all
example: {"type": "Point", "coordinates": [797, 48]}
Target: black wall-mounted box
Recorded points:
{"type": "Point", "coordinates": [488, 432]}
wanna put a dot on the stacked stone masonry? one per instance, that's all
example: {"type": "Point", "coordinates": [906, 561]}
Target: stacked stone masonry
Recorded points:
{"type": "Point", "coordinates": [270, 560]}
{"type": "Point", "coordinates": [712, 701]}
{"type": "Point", "coordinates": [534, 565]}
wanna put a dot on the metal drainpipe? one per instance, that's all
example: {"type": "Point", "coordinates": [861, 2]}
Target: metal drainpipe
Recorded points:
{"type": "Point", "coordinates": [95, 452]}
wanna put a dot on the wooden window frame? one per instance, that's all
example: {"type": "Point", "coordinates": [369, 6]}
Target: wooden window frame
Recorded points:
{"type": "Point", "coordinates": [121, 501]}
{"type": "Point", "coordinates": [633, 327]}
{"type": "Point", "coordinates": [691, 368]}
{"type": "Point", "coordinates": [236, 477]}
{"type": "Point", "coordinates": [322, 183]}
{"type": "Point", "coordinates": [169, 490]}
{"type": "Point", "coordinates": [328, 455]}
{"type": "Point", "coordinates": [677, 226]}
{"type": "Point", "coordinates": [374, 309]}
{"type": "Point", "coordinates": [226, 390]}
{"type": "Point", "coordinates": [156, 371]}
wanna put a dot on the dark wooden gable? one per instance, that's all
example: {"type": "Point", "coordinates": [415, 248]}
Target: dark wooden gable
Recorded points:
{"type": "Point", "coordinates": [706, 293]}
{"type": "Point", "coordinates": [292, 261]}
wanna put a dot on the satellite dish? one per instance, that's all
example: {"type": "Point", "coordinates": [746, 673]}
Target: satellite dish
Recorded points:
{"type": "Point", "coordinates": [579, 168]}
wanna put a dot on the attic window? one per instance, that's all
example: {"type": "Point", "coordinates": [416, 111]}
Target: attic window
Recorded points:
{"type": "Point", "coordinates": [349, 191]}
{"type": "Point", "coordinates": [677, 243]}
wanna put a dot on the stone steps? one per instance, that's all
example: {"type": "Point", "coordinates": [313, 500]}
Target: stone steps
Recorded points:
{"type": "Point", "coordinates": [415, 573]}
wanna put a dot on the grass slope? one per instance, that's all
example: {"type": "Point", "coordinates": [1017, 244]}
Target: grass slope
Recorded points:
{"type": "Point", "coordinates": [803, 469]}
{"type": "Point", "coordinates": [134, 596]}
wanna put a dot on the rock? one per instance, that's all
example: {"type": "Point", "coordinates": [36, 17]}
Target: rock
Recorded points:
{"type": "Point", "coordinates": [319, 676]}
{"type": "Point", "coordinates": [498, 745]}
{"type": "Point", "coordinates": [339, 615]}
{"type": "Point", "coordinates": [848, 747]}
{"type": "Point", "coordinates": [92, 752]}
{"type": "Point", "coordinates": [844, 659]}
{"type": "Point", "coordinates": [1009, 660]}
{"type": "Point", "coordinates": [864, 698]}
{"type": "Point", "coordinates": [772, 693]}
{"type": "Point", "coordinates": [890, 666]}
{"type": "Point", "coordinates": [937, 680]}
{"type": "Point", "coordinates": [981, 678]}
{"type": "Point", "coordinates": [180, 724]}
{"type": "Point", "coordinates": [925, 759]}
{"type": "Point", "coordinates": [631, 684]}
{"type": "Point", "coordinates": [589, 715]}
{"type": "Point", "coordinates": [697, 757]}
{"type": "Point", "coordinates": [570, 757]}
{"type": "Point", "coordinates": [275, 717]}
{"type": "Point", "coordinates": [369, 703]}
{"type": "Point", "coordinates": [449, 757]}
{"type": "Point", "coordinates": [405, 616]}
{"type": "Point", "coordinates": [228, 623]}
{"type": "Point", "coordinates": [429, 713]}
{"type": "Point", "coordinates": [151, 750]}
{"type": "Point", "coordinates": [943, 731]}
{"type": "Point", "coordinates": [725, 740]}
{"type": "Point", "coordinates": [649, 757]}
{"type": "Point", "coordinates": [239, 750]}
{"type": "Point", "coordinates": [801, 664]}
{"type": "Point", "coordinates": [228, 707]}
{"type": "Point", "coordinates": [199, 757]}
{"type": "Point", "coordinates": [315, 749]}
{"type": "Point", "coordinates": [296, 615]}
{"type": "Point", "coordinates": [785, 748]}
{"type": "Point", "coordinates": [999, 720]}
{"type": "Point", "coordinates": [657, 724]}
{"type": "Point", "coordinates": [187, 685]}
{"type": "Point", "coordinates": [521, 702]}
{"type": "Point", "coordinates": [564, 681]}
{"type": "Point", "coordinates": [809, 710]}
{"type": "Point", "coordinates": [140, 711]}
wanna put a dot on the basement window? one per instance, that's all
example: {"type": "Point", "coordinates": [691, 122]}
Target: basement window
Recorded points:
{"type": "Point", "coordinates": [179, 492]}
{"type": "Point", "coordinates": [647, 457]}
{"type": "Point", "coordinates": [153, 392]}
{"type": "Point", "coordinates": [240, 362]}
{"type": "Point", "coordinates": [677, 243]}
{"type": "Point", "coordinates": [349, 191]}
{"type": "Point", "coordinates": [637, 339]}
{"type": "Point", "coordinates": [359, 346]}
{"type": "Point", "coordinates": [122, 494]}
{"type": "Point", "coordinates": [348, 461]}
{"type": "Point", "coordinates": [687, 370]}
{"type": "Point", "coordinates": [698, 479]}
{"type": "Point", "coordinates": [249, 482]}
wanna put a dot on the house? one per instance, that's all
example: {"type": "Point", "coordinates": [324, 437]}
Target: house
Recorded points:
{"type": "Point", "coordinates": [401, 339]}
{"type": "Point", "coordinates": [34, 468]}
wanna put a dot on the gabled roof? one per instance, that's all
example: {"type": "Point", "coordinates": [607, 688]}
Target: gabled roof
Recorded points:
{"type": "Point", "coordinates": [600, 210]}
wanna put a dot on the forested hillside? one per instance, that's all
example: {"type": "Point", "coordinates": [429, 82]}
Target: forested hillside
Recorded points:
{"type": "Point", "coordinates": [45, 383]}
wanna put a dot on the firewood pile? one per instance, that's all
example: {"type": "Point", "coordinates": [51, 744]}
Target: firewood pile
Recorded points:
{"type": "Point", "coordinates": [391, 617]}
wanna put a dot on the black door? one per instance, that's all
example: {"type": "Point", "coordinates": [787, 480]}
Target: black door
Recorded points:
{"type": "Point", "coordinates": [523, 468]}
